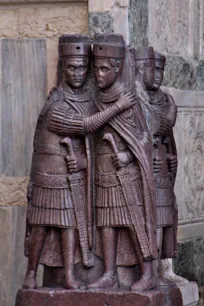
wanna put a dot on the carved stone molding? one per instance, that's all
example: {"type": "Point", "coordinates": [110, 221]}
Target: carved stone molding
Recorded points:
{"type": "Point", "coordinates": [13, 191]}
{"type": "Point", "coordinates": [189, 134]}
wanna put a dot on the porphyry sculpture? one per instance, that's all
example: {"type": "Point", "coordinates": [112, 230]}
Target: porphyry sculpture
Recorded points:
{"type": "Point", "coordinates": [165, 168]}
{"type": "Point", "coordinates": [125, 190]}
{"type": "Point", "coordinates": [92, 196]}
{"type": "Point", "coordinates": [60, 184]}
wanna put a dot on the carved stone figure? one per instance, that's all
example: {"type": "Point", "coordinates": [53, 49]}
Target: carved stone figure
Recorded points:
{"type": "Point", "coordinates": [144, 81]}
{"type": "Point", "coordinates": [165, 167]}
{"type": "Point", "coordinates": [60, 188]}
{"type": "Point", "coordinates": [125, 189]}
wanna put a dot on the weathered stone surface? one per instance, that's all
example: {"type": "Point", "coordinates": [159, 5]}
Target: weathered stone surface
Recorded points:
{"type": "Point", "coordinates": [100, 22]}
{"type": "Point", "coordinates": [106, 5]}
{"type": "Point", "coordinates": [13, 191]}
{"type": "Point", "coordinates": [9, 23]}
{"type": "Point", "coordinates": [189, 136]}
{"type": "Point", "coordinates": [46, 20]}
{"type": "Point", "coordinates": [190, 230]}
{"type": "Point", "coordinates": [138, 23]}
{"type": "Point", "coordinates": [52, 20]}
{"type": "Point", "coordinates": [59, 297]}
{"type": "Point", "coordinates": [22, 95]}
{"type": "Point", "coordinates": [189, 182]}
{"type": "Point", "coordinates": [12, 260]}
{"type": "Point", "coordinates": [184, 73]}
{"type": "Point", "coordinates": [190, 260]}
{"type": "Point", "coordinates": [201, 45]}
{"type": "Point", "coordinates": [189, 292]}
{"type": "Point", "coordinates": [169, 26]}
{"type": "Point", "coordinates": [121, 21]}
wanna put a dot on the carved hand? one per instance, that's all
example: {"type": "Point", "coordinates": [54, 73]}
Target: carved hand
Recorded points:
{"type": "Point", "coordinates": [75, 165]}
{"type": "Point", "coordinates": [157, 164]}
{"type": "Point", "coordinates": [126, 101]}
{"type": "Point", "coordinates": [122, 159]}
{"type": "Point", "coordinates": [172, 162]}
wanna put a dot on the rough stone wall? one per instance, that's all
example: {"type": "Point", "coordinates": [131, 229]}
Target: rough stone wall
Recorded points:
{"type": "Point", "coordinates": [109, 16]}
{"type": "Point", "coordinates": [47, 20]}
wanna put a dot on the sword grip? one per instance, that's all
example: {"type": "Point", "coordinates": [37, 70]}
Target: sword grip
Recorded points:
{"type": "Point", "coordinates": [110, 138]}
{"type": "Point", "coordinates": [68, 142]}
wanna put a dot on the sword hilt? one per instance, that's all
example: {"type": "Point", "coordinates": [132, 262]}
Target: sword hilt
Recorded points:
{"type": "Point", "coordinates": [110, 138]}
{"type": "Point", "coordinates": [68, 142]}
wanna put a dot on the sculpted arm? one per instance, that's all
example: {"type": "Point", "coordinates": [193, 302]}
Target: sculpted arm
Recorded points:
{"type": "Point", "coordinates": [60, 120]}
{"type": "Point", "coordinates": [172, 111]}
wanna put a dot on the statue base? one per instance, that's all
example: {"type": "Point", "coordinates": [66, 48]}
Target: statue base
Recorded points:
{"type": "Point", "coordinates": [61, 297]}
{"type": "Point", "coordinates": [190, 293]}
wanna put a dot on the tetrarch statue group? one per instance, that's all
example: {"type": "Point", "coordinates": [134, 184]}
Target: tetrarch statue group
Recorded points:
{"type": "Point", "coordinates": [104, 164]}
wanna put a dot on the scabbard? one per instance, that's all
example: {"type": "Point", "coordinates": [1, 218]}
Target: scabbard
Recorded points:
{"type": "Point", "coordinates": [76, 181]}
{"type": "Point", "coordinates": [135, 213]}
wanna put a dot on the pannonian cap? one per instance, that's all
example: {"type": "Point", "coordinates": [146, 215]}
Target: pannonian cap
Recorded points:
{"type": "Point", "coordinates": [109, 45]}
{"type": "Point", "coordinates": [74, 45]}
{"type": "Point", "coordinates": [160, 60]}
{"type": "Point", "coordinates": [142, 54]}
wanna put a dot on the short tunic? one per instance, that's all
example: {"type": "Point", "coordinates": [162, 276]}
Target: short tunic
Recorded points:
{"type": "Point", "coordinates": [111, 206]}
{"type": "Point", "coordinates": [51, 202]}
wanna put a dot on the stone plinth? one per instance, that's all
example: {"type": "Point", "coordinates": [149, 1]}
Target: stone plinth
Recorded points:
{"type": "Point", "coordinates": [60, 297]}
{"type": "Point", "coordinates": [189, 292]}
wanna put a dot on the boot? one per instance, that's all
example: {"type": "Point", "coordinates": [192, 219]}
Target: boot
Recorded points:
{"type": "Point", "coordinates": [38, 236]}
{"type": "Point", "coordinates": [147, 280]}
{"type": "Point", "coordinates": [68, 252]}
{"type": "Point", "coordinates": [107, 280]}
{"type": "Point", "coordinates": [109, 243]}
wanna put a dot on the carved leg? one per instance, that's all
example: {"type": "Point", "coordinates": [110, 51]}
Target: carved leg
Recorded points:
{"type": "Point", "coordinates": [137, 247]}
{"type": "Point", "coordinates": [147, 281]}
{"type": "Point", "coordinates": [38, 236]}
{"type": "Point", "coordinates": [68, 252]}
{"type": "Point", "coordinates": [167, 264]}
{"type": "Point", "coordinates": [109, 243]}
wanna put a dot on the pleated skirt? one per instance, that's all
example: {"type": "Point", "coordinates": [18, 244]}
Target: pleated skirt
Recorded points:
{"type": "Point", "coordinates": [51, 207]}
{"type": "Point", "coordinates": [111, 206]}
{"type": "Point", "coordinates": [164, 206]}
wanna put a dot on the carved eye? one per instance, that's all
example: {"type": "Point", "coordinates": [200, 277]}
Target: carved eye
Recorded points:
{"type": "Point", "coordinates": [104, 69]}
{"type": "Point", "coordinates": [71, 68]}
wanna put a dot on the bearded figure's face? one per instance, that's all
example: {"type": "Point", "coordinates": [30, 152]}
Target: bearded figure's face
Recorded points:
{"type": "Point", "coordinates": [75, 71]}
{"type": "Point", "coordinates": [106, 71]}
{"type": "Point", "coordinates": [158, 76]}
